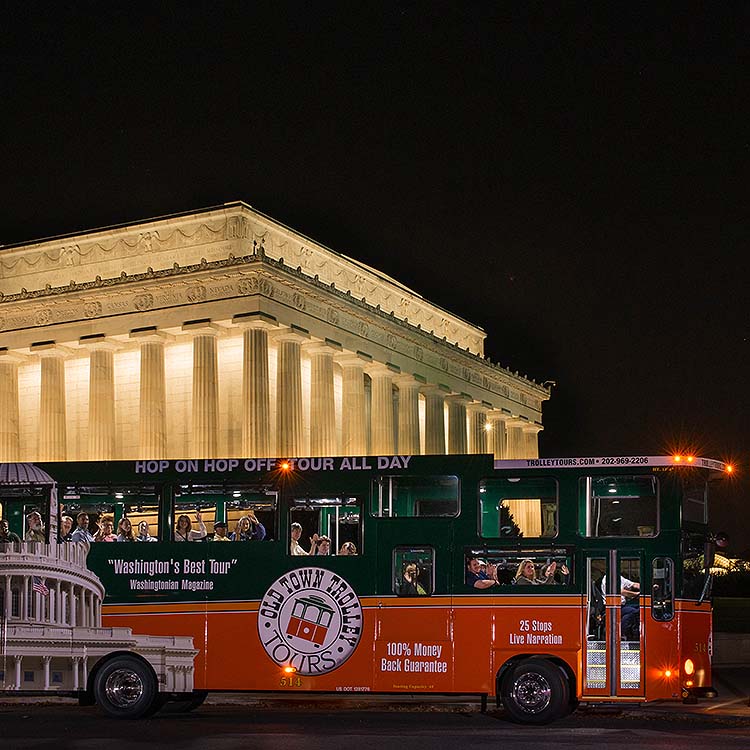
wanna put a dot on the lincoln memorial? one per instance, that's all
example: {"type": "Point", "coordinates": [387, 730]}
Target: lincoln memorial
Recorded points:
{"type": "Point", "coordinates": [223, 333]}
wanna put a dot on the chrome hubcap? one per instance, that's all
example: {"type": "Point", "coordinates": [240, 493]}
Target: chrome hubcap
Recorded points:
{"type": "Point", "coordinates": [124, 688]}
{"type": "Point", "coordinates": [531, 692]}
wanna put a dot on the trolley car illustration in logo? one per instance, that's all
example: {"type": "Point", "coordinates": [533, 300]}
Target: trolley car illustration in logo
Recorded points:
{"type": "Point", "coordinates": [310, 619]}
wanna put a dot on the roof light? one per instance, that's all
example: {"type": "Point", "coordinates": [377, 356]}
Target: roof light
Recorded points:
{"type": "Point", "coordinates": [690, 459]}
{"type": "Point", "coordinates": [285, 466]}
{"type": "Point", "coordinates": [677, 459]}
{"type": "Point", "coordinates": [729, 468]}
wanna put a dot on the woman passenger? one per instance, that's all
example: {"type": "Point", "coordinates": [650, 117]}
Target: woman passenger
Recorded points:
{"type": "Point", "coordinates": [348, 548]}
{"type": "Point", "coordinates": [184, 531]}
{"type": "Point", "coordinates": [125, 530]}
{"type": "Point", "coordinates": [526, 574]}
{"type": "Point", "coordinates": [248, 528]}
{"type": "Point", "coordinates": [143, 533]}
{"type": "Point", "coordinates": [106, 530]}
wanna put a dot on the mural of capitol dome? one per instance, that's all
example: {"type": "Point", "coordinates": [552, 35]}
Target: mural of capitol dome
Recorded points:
{"type": "Point", "coordinates": [51, 635]}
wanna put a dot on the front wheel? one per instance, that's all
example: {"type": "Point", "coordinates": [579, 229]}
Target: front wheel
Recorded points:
{"type": "Point", "coordinates": [535, 692]}
{"type": "Point", "coordinates": [125, 688]}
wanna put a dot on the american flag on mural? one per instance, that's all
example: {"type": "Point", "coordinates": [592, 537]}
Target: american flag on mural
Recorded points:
{"type": "Point", "coordinates": [39, 585]}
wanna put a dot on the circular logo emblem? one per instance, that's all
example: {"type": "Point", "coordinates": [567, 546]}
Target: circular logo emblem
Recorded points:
{"type": "Point", "coordinates": [310, 619]}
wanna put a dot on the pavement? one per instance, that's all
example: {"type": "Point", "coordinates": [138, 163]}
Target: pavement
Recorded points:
{"type": "Point", "coordinates": [732, 706]}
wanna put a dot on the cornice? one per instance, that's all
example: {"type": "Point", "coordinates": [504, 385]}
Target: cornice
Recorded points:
{"type": "Point", "coordinates": [240, 276]}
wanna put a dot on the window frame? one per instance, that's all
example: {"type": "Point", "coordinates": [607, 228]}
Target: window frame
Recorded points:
{"type": "Point", "coordinates": [375, 482]}
{"type": "Point", "coordinates": [520, 478]}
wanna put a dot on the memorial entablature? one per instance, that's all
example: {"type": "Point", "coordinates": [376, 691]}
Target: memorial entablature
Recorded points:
{"type": "Point", "coordinates": [224, 333]}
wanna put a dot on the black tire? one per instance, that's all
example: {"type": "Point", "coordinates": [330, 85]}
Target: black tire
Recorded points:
{"type": "Point", "coordinates": [125, 688]}
{"type": "Point", "coordinates": [535, 691]}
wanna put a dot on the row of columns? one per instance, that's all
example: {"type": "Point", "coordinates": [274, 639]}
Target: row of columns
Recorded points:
{"type": "Point", "coordinates": [489, 430]}
{"type": "Point", "coordinates": [67, 604]}
{"type": "Point", "coordinates": [79, 671]}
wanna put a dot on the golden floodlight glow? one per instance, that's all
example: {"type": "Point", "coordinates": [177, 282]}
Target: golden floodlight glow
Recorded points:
{"type": "Point", "coordinates": [488, 427]}
{"type": "Point", "coordinates": [689, 666]}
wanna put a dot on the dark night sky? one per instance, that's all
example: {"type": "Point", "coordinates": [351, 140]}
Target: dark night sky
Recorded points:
{"type": "Point", "coordinates": [571, 181]}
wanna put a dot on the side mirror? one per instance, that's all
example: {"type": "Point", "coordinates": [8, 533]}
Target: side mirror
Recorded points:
{"type": "Point", "coordinates": [721, 539]}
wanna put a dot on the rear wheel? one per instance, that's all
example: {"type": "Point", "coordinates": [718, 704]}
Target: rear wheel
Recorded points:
{"type": "Point", "coordinates": [535, 692]}
{"type": "Point", "coordinates": [125, 688]}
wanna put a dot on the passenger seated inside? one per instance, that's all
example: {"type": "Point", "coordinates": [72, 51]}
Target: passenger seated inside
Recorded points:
{"type": "Point", "coordinates": [476, 578]}
{"type": "Point", "coordinates": [106, 530]}
{"type": "Point", "coordinates": [248, 528]}
{"type": "Point", "coordinates": [220, 532]}
{"type": "Point", "coordinates": [35, 528]}
{"type": "Point", "coordinates": [409, 584]}
{"type": "Point", "coordinates": [184, 531]}
{"type": "Point", "coordinates": [143, 533]}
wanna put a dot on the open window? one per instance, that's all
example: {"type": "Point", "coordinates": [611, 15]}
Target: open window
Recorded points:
{"type": "Point", "coordinates": [326, 526]}
{"type": "Point", "coordinates": [517, 570]}
{"type": "Point", "coordinates": [518, 507]}
{"type": "Point", "coordinates": [110, 512]}
{"type": "Point", "coordinates": [409, 497]}
{"type": "Point", "coordinates": [413, 571]}
{"type": "Point", "coordinates": [621, 506]}
{"type": "Point", "coordinates": [248, 510]}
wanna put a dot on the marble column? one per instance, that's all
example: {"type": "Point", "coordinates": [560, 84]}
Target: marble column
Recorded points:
{"type": "Point", "coordinates": [101, 397]}
{"type": "Point", "coordinates": [531, 440]}
{"type": "Point", "coordinates": [322, 404]}
{"type": "Point", "coordinates": [152, 428]}
{"type": "Point", "coordinates": [8, 604]}
{"type": "Point", "coordinates": [45, 664]}
{"type": "Point", "coordinates": [382, 432]}
{"type": "Point", "coordinates": [72, 606]}
{"type": "Point", "coordinates": [408, 415]}
{"type": "Point", "coordinates": [458, 441]}
{"type": "Point", "coordinates": [289, 393]}
{"type": "Point", "coordinates": [515, 438]}
{"type": "Point", "coordinates": [497, 442]}
{"type": "Point", "coordinates": [354, 422]}
{"type": "Point", "coordinates": [10, 450]}
{"type": "Point", "coordinates": [477, 427]}
{"type": "Point", "coordinates": [18, 659]}
{"type": "Point", "coordinates": [434, 420]}
{"type": "Point", "coordinates": [205, 433]}
{"type": "Point", "coordinates": [256, 387]}
{"type": "Point", "coordinates": [53, 437]}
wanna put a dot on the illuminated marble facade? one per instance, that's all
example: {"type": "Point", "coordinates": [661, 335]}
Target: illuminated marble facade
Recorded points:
{"type": "Point", "coordinates": [224, 333]}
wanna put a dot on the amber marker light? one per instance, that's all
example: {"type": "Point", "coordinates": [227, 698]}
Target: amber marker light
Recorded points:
{"type": "Point", "coordinates": [690, 459]}
{"type": "Point", "coordinates": [689, 666]}
{"type": "Point", "coordinates": [290, 670]}
{"type": "Point", "coordinates": [285, 466]}
{"type": "Point", "coordinates": [729, 469]}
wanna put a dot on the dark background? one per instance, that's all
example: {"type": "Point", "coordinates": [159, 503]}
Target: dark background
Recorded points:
{"type": "Point", "coordinates": [568, 177]}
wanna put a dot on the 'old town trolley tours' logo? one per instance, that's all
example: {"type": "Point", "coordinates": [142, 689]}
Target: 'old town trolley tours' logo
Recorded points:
{"type": "Point", "coordinates": [310, 619]}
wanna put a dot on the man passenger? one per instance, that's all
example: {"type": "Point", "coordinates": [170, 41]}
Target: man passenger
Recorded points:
{"type": "Point", "coordinates": [478, 579]}
{"type": "Point", "coordinates": [6, 535]}
{"type": "Point", "coordinates": [82, 533]}
{"type": "Point", "coordinates": [220, 532]}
